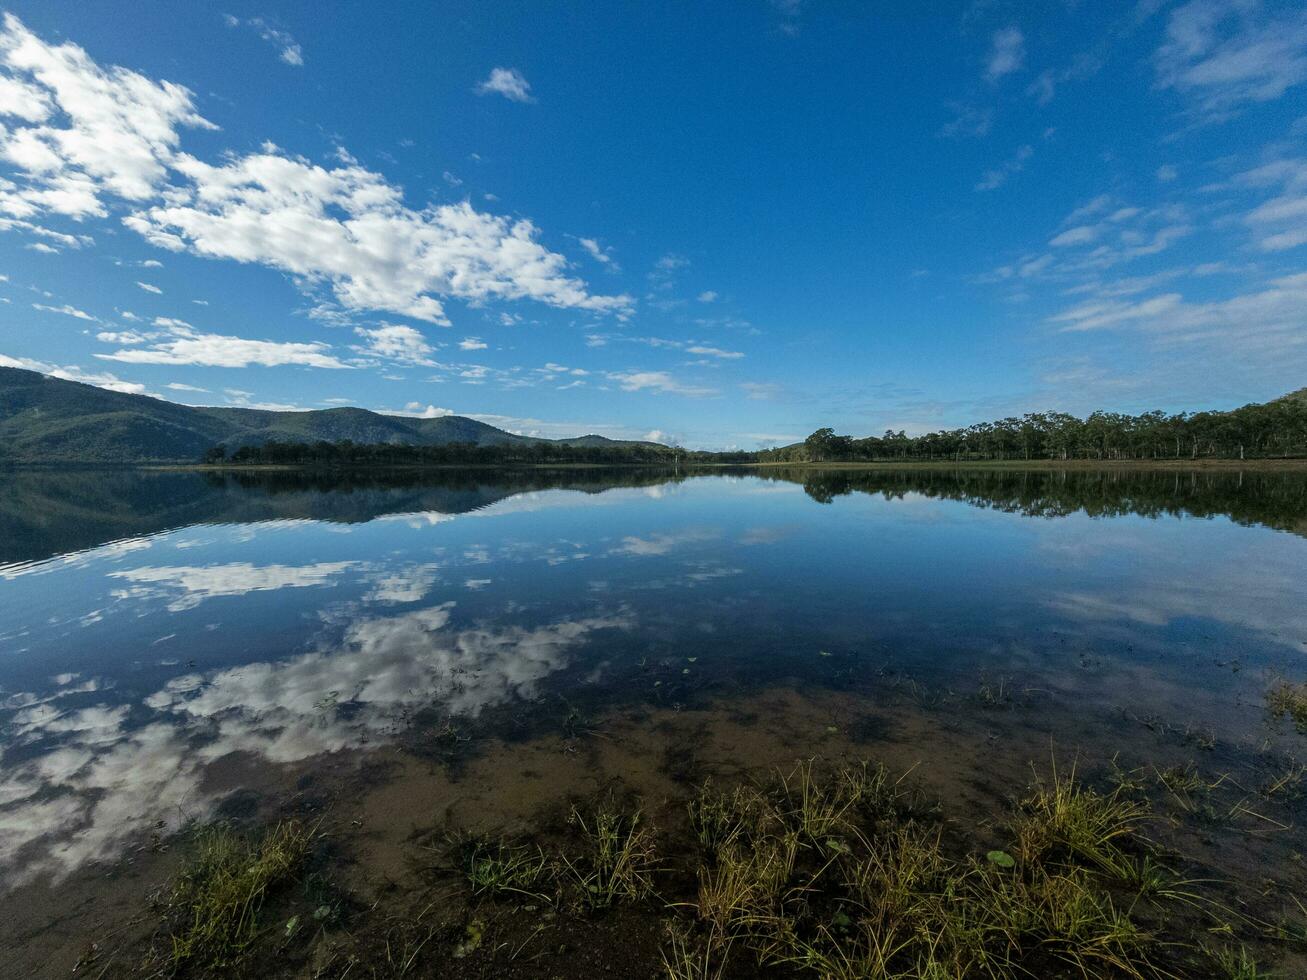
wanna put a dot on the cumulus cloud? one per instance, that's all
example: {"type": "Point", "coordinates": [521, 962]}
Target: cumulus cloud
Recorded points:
{"type": "Point", "coordinates": [472, 343]}
{"type": "Point", "coordinates": [508, 82]}
{"type": "Point", "coordinates": [286, 213]}
{"type": "Point", "coordinates": [150, 288]}
{"type": "Point", "coordinates": [89, 130]}
{"type": "Point", "coordinates": [417, 410]}
{"type": "Point", "coordinates": [84, 136]}
{"type": "Point", "coordinates": [396, 342]}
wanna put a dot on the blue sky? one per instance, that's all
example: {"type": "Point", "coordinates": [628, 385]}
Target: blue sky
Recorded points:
{"type": "Point", "coordinates": [723, 224]}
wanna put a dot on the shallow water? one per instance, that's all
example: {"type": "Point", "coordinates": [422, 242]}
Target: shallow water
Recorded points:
{"type": "Point", "coordinates": [174, 643]}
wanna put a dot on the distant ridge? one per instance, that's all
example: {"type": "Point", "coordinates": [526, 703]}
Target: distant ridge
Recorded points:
{"type": "Point", "coordinates": [49, 420]}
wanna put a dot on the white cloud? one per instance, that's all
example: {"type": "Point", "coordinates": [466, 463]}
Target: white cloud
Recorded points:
{"type": "Point", "coordinates": [1227, 55]}
{"type": "Point", "coordinates": [417, 410]}
{"type": "Point", "coordinates": [1279, 223]}
{"type": "Point", "coordinates": [658, 382]}
{"type": "Point", "coordinates": [342, 226]}
{"type": "Point", "coordinates": [508, 82]}
{"type": "Point", "coordinates": [381, 255]}
{"type": "Point", "coordinates": [71, 372]}
{"type": "Point", "coordinates": [1268, 323]}
{"type": "Point", "coordinates": [123, 337]}
{"type": "Point", "coordinates": [998, 176]}
{"type": "Point", "coordinates": [120, 127]}
{"type": "Point", "coordinates": [150, 288]}
{"type": "Point", "coordinates": [760, 391]}
{"type": "Point", "coordinates": [217, 350]}
{"type": "Point", "coordinates": [1167, 173]}
{"type": "Point", "coordinates": [289, 49]}
{"type": "Point", "coordinates": [729, 355]}
{"type": "Point", "coordinates": [396, 342]}
{"type": "Point", "coordinates": [187, 586]}
{"type": "Point", "coordinates": [178, 386]}
{"type": "Point", "coordinates": [708, 296]}
{"type": "Point", "coordinates": [597, 251]}
{"type": "Point", "coordinates": [472, 343]}
{"type": "Point", "coordinates": [1080, 235]}
{"type": "Point", "coordinates": [1007, 53]}
{"type": "Point", "coordinates": [66, 310]}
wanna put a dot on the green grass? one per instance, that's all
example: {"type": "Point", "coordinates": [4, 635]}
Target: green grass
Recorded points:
{"type": "Point", "coordinates": [618, 857]}
{"type": "Point", "coordinates": [216, 899]}
{"type": "Point", "coordinates": [496, 867]}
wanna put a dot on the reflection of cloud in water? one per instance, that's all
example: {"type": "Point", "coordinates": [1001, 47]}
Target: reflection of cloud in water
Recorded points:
{"type": "Point", "coordinates": [1254, 590]}
{"type": "Point", "coordinates": [98, 783]}
{"type": "Point", "coordinates": [408, 584]}
{"type": "Point", "coordinates": [200, 582]}
{"type": "Point", "coordinates": [76, 559]}
{"type": "Point", "coordinates": [661, 544]}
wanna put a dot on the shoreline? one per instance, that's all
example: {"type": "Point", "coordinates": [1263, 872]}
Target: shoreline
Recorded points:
{"type": "Point", "coordinates": [1279, 464]}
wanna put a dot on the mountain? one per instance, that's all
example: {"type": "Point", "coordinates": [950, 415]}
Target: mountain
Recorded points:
{"type": "Point", "coordinates": [49, 420]}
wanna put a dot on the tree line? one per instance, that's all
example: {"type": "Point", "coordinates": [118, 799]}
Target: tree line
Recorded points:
{"type": "Point", "coordinates": [1275, 429]}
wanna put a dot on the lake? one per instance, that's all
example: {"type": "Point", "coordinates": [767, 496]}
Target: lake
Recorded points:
{"type": "Point", "coordinates": [401, 651]}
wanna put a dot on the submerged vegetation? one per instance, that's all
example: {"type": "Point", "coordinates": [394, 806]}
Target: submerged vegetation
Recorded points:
{"type": "Point", "coordinates": [1286, 699]}
{"type": "Point", "coordinates": [211, 913]}
{"type": "Point", "coordinates": [844, 873]}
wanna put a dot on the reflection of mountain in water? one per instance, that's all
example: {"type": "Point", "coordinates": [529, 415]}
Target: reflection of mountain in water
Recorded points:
{"type": "Point", "coordinates": [1277, 500]}
{"type": "Point", "coordinates": [54, 512]}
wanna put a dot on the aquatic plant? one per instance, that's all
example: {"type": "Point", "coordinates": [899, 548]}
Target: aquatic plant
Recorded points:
{"type": "Point", "coordinates": [1288, 699]}
{"type": "Point", "coordinates": [1063, 819]}
{"type": "Point", "coordinates": [494, 866]}
{"type": "Point", "coordinates": [619, 859]}
{"type": "Point", "coordinates": [216, 898]}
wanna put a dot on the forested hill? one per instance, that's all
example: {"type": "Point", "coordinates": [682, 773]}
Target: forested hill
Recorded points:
{"type": "Point", "coordinates": [48, 420]}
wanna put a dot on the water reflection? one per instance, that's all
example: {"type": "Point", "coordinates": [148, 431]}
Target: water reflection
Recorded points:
{"type": "Point", "coordinates": [145, 673]}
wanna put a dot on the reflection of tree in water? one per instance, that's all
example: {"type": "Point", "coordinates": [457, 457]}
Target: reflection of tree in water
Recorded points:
{"type": "Point", "coordinates": [1277, 500]}
{"type": "Point", "coordinates": [53, 512]}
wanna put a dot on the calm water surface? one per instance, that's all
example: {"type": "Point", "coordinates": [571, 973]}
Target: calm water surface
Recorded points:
{"type": "Point", "coordinates": [170, 640]}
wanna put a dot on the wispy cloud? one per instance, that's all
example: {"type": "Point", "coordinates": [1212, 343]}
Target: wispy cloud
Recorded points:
{"type": "Point", "coordinates": [1224, 56]}
{"type": "Point", "coordinates": [659, 382]}
{"type": "Point", "coordinates": [66, 310]}
{"type": "Point", "coordinates": [1007, 53]}
{"type": "Point", "coordinates": [999, 175]}
{"type": "Point", "coordinates": [288, 48]}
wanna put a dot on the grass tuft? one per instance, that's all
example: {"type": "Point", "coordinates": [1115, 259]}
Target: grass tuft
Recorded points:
{"type": "Point", "coordinates": [216, 898]}
{"type": "Point", "coordinates": [619, 860]}
{"type": "Point", "coordinates": [1065, 821]}
{"type": "Point", "coordinates": [1288, 699]}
